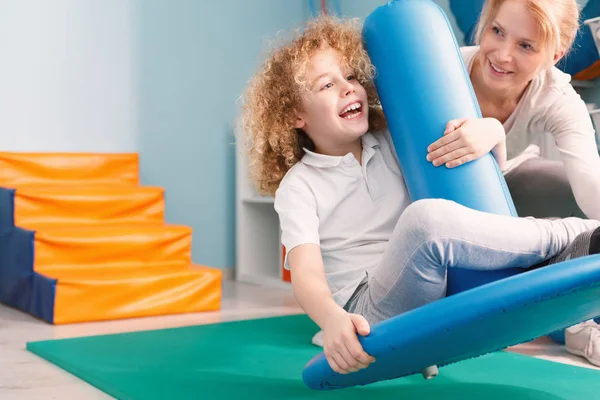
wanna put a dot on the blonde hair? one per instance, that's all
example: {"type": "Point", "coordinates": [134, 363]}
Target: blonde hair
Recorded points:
{"type": "Point", "coordinates": [557, 21]}
{"type": "Point", "coordinates": [272, 98]}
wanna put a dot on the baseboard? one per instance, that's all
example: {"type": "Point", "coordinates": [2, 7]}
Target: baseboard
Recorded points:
{"type": "Point", "coordinates": [228, 273]}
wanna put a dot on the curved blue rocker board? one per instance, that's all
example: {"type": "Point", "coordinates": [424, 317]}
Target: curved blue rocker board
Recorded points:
{"type": "Point", "coordinates": [422, 84]}
{"type": "Point", "coordinates": [469, 324]}
{"type": "Point", "coordinates": [583, 54]}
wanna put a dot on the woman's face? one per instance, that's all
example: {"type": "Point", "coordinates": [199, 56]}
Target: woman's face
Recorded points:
{"type": "Point", "coordinates": [511, 52]}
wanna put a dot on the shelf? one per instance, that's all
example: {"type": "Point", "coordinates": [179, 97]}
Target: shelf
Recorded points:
{"type": "Point", "coordinates": [582, 84]}
{"type": "Point", "coordinates": [259, 199]}
{"type": "Point", "coordinates": [259, 253]}
{"type": "Point", "coordinates": [264, 280]}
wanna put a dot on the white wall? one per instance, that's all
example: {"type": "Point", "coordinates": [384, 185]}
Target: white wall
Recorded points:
{"type": "Point", "coordinates": [196, 57]}
{"type": "Point", "coordinates": [67, 75]}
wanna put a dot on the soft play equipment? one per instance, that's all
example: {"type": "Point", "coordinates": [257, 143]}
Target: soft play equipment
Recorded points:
{"type": "Point", "coordinates": [422, 83]}
{"type": "Point", "coordinates": [259, 359]}
{"type": "Point", "coordinates": [81, 240]}
{"type": "Point", "coordinates": [583, 62]}
{"type": "Point", "coordinates": [466, 13]}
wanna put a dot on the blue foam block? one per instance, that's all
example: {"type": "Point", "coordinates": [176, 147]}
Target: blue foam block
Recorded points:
{"type": "Point", "coordinates": [20, 286]}
{"type": "Point", "coordinates": [7, 208]}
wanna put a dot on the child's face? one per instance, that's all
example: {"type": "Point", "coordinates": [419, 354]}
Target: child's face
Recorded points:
{"type": "Point", "coordinates": [334, 109]}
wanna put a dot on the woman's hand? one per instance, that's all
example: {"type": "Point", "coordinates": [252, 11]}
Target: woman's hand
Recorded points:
{"type": "Point", "coordinates": [342, 349]}
{"type": "Point", "coordinates": [466, 140]}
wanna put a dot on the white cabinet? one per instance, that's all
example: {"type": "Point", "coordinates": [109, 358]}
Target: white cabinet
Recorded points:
{"type": "Point", "coordinates": [259, 253]}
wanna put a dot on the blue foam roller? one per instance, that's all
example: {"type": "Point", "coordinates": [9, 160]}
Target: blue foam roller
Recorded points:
{"type": "Point", "coordinates": [422, 83]}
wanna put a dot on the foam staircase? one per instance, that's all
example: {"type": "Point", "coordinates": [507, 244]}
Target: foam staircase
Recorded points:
{"type": "Point", "coordinates": [82, 240]}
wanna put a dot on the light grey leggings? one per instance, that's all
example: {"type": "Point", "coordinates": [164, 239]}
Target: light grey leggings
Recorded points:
{"type": "Point", "coordinates": [433, 235]}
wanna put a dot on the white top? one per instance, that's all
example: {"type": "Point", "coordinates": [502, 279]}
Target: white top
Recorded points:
{"type": "Point", "coordinates": [551, 105]}
{"type": "Point", "coordinates": [348, 209]}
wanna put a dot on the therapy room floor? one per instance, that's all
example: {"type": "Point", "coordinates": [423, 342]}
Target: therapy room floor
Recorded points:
{"type": "Point", "coordinates": [24, 375]}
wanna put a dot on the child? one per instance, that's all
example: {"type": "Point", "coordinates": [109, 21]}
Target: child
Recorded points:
{"type": "Point", "coordinates": [358, 249]}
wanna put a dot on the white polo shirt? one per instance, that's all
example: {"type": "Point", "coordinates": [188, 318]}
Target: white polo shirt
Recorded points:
{"type": "Point", "coordinates": [348, 209]}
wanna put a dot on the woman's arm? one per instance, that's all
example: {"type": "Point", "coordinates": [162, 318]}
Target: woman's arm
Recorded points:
{"type": "Point", "coordinates": [568, 121]}
{"type": "Point", "coordinates": [465, 140]}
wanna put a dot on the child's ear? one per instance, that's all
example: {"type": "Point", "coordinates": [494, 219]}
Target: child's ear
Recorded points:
{"type": "Point", "coordinates": [299, 122]}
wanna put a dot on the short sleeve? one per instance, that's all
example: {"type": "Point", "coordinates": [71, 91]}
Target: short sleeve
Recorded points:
{"type": "Point", "coordinates": [298, 218]}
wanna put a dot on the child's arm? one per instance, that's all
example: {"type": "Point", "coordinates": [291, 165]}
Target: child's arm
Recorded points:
{"type": "Point", "coordinates": [309, 284]}
{"type": "Point", "coordinates": [340, 343]}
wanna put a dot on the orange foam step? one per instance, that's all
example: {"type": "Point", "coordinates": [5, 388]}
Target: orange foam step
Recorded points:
{"type": "Point", "coordinates": [68, 168]}
{"type": "Point", "coordinates": [76, 205]}
{"type": "Point", "coordinates": [97, 295]}
{"type": "Point", "coordinates": [111, 246]}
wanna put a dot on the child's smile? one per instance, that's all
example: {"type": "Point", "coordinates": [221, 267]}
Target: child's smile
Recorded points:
{"type": "Point", "coordinates": [335, 112]}
{"type": "Point", "coordinates": [352, 111]}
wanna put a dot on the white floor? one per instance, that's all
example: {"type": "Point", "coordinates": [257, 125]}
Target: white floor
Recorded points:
{"type": "Point", "coordinates": [25, 376]}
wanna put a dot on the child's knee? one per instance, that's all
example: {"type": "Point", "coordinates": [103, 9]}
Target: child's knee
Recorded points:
{"type": "Point", "coordinates": [431, 210]}
{"type": "Point", "coordinates": [429, 218]}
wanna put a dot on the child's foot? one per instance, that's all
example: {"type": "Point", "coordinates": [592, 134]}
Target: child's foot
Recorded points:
{"type": "Point", "coordinates": [584, 340]}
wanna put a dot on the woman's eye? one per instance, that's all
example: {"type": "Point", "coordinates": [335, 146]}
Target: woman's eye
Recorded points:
{"type": "Point", "coordinates": [526, 46]}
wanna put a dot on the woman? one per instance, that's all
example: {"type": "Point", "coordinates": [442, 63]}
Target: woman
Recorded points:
{"type": "Point", "coordinates": [522, 95]}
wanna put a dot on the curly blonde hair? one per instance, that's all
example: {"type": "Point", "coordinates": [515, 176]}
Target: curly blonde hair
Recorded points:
{"type": "Point", "coordinates": [273, 97]}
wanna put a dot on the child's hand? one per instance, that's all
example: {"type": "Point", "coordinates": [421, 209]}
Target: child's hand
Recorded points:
{"type": "Point", "coordinates": [466, 140]}
{"type": "Point", "coordinates": [340, 343]}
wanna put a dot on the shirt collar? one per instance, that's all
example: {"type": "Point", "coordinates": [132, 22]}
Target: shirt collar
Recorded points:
{"type": "Point", "coordinates": [325, 161]}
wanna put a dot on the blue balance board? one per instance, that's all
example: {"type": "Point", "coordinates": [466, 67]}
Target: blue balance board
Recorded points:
{"type": "Point", "coordinates": [422, 84]}
{"type": "Point", "coordinates": [472, 323]}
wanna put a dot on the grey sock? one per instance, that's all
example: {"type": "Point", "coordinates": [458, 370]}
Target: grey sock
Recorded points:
{"type": "Point", "coordinates": [584, 244]}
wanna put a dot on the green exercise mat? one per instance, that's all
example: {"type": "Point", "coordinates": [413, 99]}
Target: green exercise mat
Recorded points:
{"type": "Point", "coordinates": [264, 358]}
